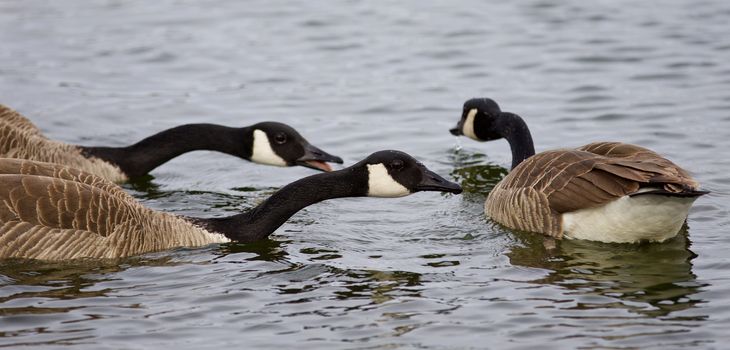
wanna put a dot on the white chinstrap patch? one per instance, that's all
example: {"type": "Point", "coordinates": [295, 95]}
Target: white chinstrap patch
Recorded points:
{"type": "Point", "coordinates": [468, 127]}
{"type": "Point", "coordinates": [262, 152]}
{"type": "Point", "coordinates": [648, 217]}
{"type": "Point", "coordinates": [381, 184]}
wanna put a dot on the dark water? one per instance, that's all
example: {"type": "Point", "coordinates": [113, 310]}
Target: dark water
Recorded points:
{"type": "Point", "coordinates": [427, 271]}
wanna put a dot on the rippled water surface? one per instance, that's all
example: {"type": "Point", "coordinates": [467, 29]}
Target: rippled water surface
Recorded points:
{"type": "Point", "coordinates": [426, 271]}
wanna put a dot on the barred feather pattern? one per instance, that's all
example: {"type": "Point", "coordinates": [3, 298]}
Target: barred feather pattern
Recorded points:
{"type": "Point", "coordinates": [19, 138]}
{"type": "Point", "coordinates": [51, 212]}
{"type": "Point", "coordinates": [534, 195]}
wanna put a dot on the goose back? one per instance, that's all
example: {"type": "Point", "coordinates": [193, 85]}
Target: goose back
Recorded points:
{"type": "Point", "coordinates": [17, 121]}
{"type": "Point", "coordinates": [534, 195]}
{"type": "Point", "coordinates": [12, 166]}
{"type": "Point", "coordinates": [20, 138]}
{"type": "Point", "coordinates": [50, 212]}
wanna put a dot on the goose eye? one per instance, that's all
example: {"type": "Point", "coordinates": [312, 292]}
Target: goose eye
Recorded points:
{"type": "Point", "coordinates": [280, 138]}
{"type": "Point", "coordinates": [397, 164]}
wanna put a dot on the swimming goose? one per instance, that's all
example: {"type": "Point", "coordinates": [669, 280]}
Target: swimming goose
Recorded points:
{"type": "Point", "coordinates": [603, 191]}
{"type": "Point", "coordinates": [53, 212]}
{"type": "Point", "coordinates": [268, 143]}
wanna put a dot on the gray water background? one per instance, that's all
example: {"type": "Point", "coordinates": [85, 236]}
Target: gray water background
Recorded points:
{"type": "Point", "coordinates": [427, 271]}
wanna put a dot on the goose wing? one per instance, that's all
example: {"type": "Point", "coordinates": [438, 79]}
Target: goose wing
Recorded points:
{"type": "Point", "coordinates": [536, 192]}
{"type": "Point", "coordinates": [648, 161]}
{"type": "Point", "coordinates": [11, 166]}
{"type": "Point", "coordinates": [52, 212]}
{"type": "Point", "coordinates": [19, 138]}
{"type": "Point", "coordinates": [12, 118]}
{"type": "Point", "coordinates": [46, 217]}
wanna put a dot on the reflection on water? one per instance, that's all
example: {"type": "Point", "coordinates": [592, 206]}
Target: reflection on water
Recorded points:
{"type": "Point", "coordinates": [34, 292]}
{"type": "Point", "coordinates": [378, 286]}
{"type": "Point", "coordinates": [268, 250]}
{"type": "Point", "coordinates": [382, 286]}
{"type": "Point", "coordinates": [23, 279]}
{"type": "Point", "coordinates": [143, 187]}
{"type": "Point", "coordinates": [479, 179]}
{"type": "Point", "coordinates": [659, 275]}
{"type": "Point", "coordinates": [476, 178]}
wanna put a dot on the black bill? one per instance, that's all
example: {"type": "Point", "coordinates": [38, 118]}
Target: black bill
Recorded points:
{"type": "Point", "coordinates": [433, 182]}
{"type": "Point", "coordinates": [316, 158]}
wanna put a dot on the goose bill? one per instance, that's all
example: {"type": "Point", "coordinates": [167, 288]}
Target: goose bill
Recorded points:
{"type": "Point", "coordinates": [434, 182]}
{"type": "Point", "coordinates": [316, 158]}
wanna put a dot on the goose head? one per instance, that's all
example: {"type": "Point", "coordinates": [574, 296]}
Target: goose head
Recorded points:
{"type": "Point", "coordinates": [479, 120]}
{"type": "Point", "coordinates": [279, 144]}
{"type": "Point", "coordinates": [395, 174]}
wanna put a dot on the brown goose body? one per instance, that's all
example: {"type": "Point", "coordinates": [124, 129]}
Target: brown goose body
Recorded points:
{"type": "Point", "coordinates": [603, 191]}
{"type": "Point", "coordinates": [537, 194]}
{"type": "Point", "coordinates": [20, 138]}
{"type": "Point", "coordinates": [52, 212]}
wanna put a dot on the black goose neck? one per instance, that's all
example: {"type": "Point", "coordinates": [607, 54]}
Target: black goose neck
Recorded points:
{"type": "Point", "coordinates": [146, 155]}
{"type": "Point", "coordinates": [259, 222]}
{"type": "Point", "coordinates": [515, 130]}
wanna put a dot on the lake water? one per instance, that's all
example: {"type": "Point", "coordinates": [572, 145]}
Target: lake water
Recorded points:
{"type": "Point", "coordinates": [427, 271]}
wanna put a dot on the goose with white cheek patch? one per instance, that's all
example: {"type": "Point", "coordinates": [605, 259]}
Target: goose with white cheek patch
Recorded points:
{"type": "Point", "coordinates": [603, 191]}
{"type": "Point", "coordinates": [269, 143]}
{"type": "Point", "coordinates": [52, 212]}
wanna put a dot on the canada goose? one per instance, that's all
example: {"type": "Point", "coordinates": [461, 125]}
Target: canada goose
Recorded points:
{"type": "Point", "coordinates": [268, 143]}
{"type": "Point", "coordinates": [52, 212]}
{"type": "Point", "coordinates": [604, 191]}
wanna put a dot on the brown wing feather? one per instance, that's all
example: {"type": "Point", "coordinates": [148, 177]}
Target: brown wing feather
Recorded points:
{"type": "Point", "coordinates": [522, 208]}
{"type": "Point", "coordinates": [19, 138]}
{"type": "Point", "coordinates": [63, 204]}
{"type": "Point", "coordinates": [29, 167]}
{"type": "Point", "coordinates": [560, 181]}
{"type": "Point", "coordinates": [646, 160]}
{"type": "Point", "coordinates": [53, 218]}
{"type": "Point", "coordinates": [12, 118]}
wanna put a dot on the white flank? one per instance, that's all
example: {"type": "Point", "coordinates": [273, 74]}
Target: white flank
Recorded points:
{"type": "Point", "coordinates": [648, 217]}
{"type": "Point", "coordinates": [468, 128]}
{"type": "Point", "coordinates": [381, 184]}
{"type": "Point", "coordinates": [262, 152]}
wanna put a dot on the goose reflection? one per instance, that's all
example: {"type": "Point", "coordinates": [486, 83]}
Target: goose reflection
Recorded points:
{"type": "Point", "coordinates": [380, 286]}
{"type": "Point", "coordinates": [659, 275]}
{"type": "Point", "coordinates": [25, 282]}
{"type": "Point", "coordinates": [266, 250]}
{"type": "Point", "coordinates": [298, 280]}
{"type": "Point", "coordinates": [372, 287]}
{"type": "Point", "coordinates": [476, 178]}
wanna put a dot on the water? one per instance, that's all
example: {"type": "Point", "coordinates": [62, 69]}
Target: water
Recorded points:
{"type": "Point", "coordinates": [426, 271]}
